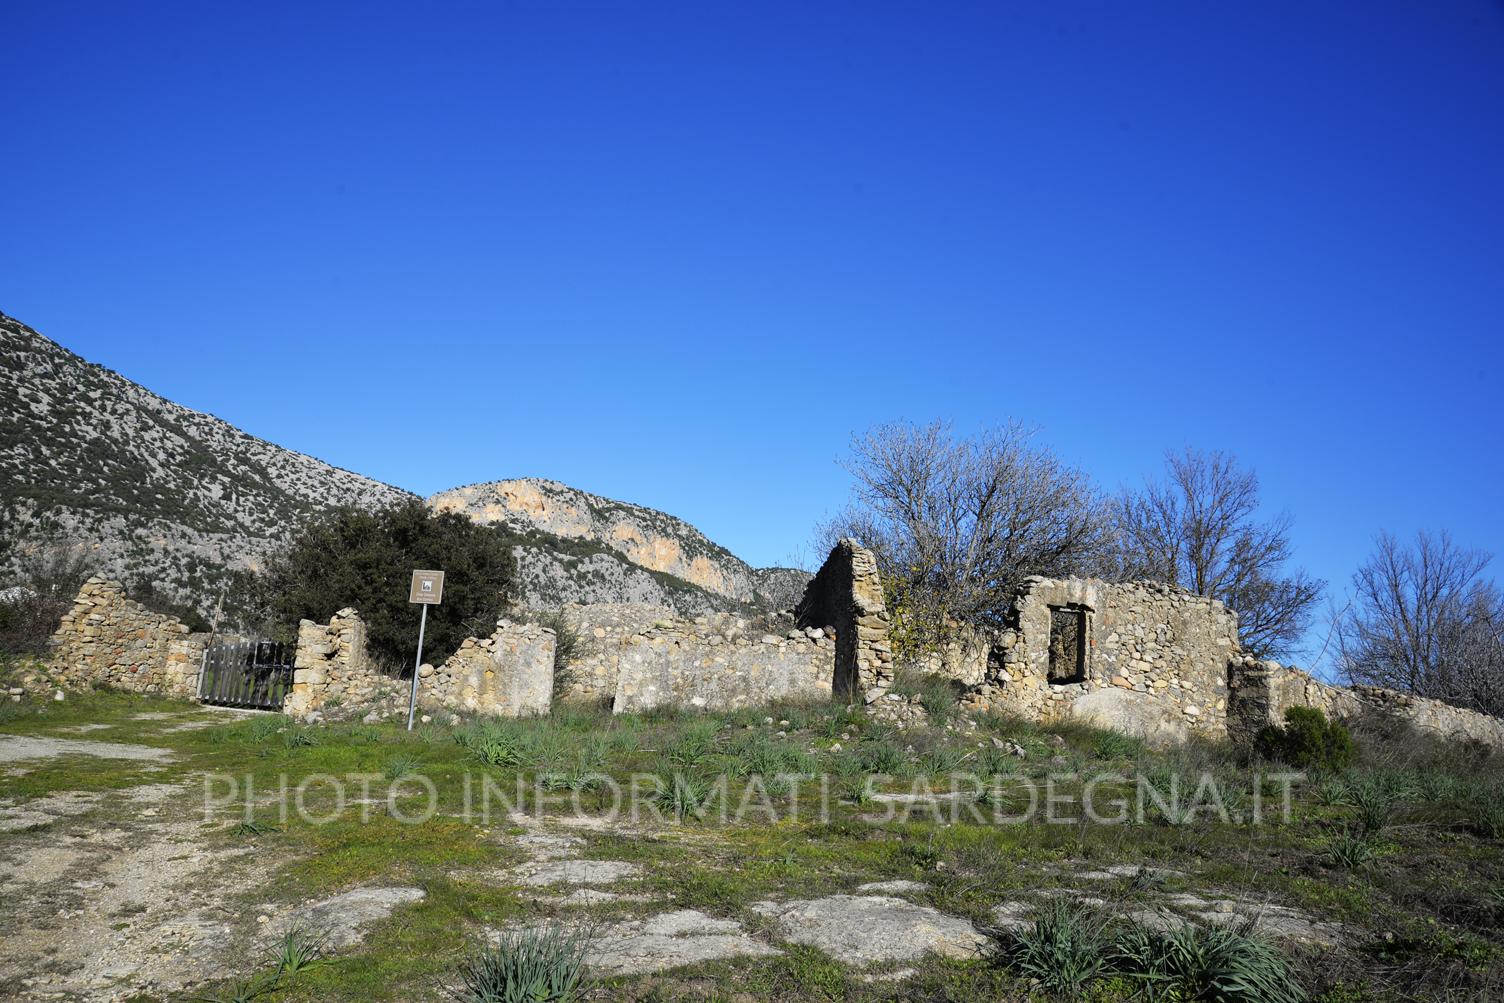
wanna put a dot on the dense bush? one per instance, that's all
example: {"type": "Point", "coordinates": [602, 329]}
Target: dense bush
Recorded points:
{"type": "Point", "coordinates": [1308, 740]}
{"type": "Point", "coordinates": [353, 557]}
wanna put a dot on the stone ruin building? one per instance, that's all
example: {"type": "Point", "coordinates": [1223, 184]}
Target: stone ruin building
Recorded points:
{"type": "Point", "coordinates": [1146, 658]}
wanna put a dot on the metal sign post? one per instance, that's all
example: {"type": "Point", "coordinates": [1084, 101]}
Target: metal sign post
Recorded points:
{"type": "Point", "coordinates": [427, 589]}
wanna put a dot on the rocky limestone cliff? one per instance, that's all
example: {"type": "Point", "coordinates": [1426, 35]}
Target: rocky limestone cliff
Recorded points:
{"type": "Point", "coordinates": [163, 494]}
{"type": "Point", "coordinates": [158, 491]}
{"type": "Point", "coordinates": [646, 538]}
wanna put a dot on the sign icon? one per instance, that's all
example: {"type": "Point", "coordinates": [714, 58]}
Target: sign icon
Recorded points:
{"type": "Point", "coordinates": [427, 588]}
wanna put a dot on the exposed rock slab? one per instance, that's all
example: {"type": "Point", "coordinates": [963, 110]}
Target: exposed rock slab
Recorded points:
{"type": "Point", "coordinates": [15, 748]}
{"type": "Point", "coordinates": [670, 940]}
{"type": "Point", "coordinates": [871, 929]}
{"type": "Point", "coordinates": [343, 918]}
{"type": "Point", "coordinates": [895, 887]}
{"type": "Point", "coordinates": [577, 872]}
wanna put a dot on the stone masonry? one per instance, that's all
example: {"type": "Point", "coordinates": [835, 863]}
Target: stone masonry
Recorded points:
{"type": "Point", "coordinates": [509, 674]}
{"type": "Point", "coordinates": [713, 663]}
{"type": "Point", "coordinates": [109, 640]}
{"type": "Point", "coordinates": [604, 630]}
{"type": "Point", "coordinates": [331, 667]}
{"type": "Point", "coordinates": [846, 598]}
{"type": "Point", "coordinates": [1261, 692]}
{"type": "Point", "coordinates": [1154, 658]}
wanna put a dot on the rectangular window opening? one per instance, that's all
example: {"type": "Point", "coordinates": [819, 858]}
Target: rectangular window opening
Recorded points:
{"type": "Point", "coordinates": [1067, 645]}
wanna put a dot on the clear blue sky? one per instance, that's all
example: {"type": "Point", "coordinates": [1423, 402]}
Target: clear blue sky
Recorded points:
{"type": "Point", "coordinates": [679, 253]}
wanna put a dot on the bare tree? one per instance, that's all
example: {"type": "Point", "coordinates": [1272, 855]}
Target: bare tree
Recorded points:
{"type": "Point", "coordinates": [956, 522]}
{"type": "Point", "coordinates": [1424, 620]}
{"type": "Point", "coordinates": [48, 576]}
{"type": "Point", "coordinates": [1199, 529]}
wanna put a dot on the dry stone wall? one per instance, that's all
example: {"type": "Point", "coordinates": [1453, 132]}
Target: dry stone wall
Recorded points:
{"type": "Point", "coordinates": [846, 598]}
{"type": "Point", "coordinates": [1261, 692]}
{"type": "Point", "coordinates": [636, 657]}
{"type": "Point", "coordinates": [1154, 659]}
{"type": "Point", "coordinates": [509, 674]}
{"type": "Point", "coordinates": [604, 629]}
{"type": "Point", "coordinates": [713, 663]}
{"type": "Point", "coordinates": [331, 668]}
{"type": "Point", "coordinates": [109, 640]}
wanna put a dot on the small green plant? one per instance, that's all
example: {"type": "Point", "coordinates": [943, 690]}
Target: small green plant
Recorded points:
{"type": "Point", "coordinates": [1376, 803]}
{"type": "Point", "coordinates": [1115, 745]}
{"type": "Point", "coordinates": [542, 965]}
{"type": "Point", "coordinates": [1486, 813]}
{"type": "Point", "coordinates": [682, 795]}
{"type": "Point", "coordinates": [1330, 792]}
{"type": "Point", "coordinates": [693, 747]}
{"type": "Point", "coordinates": [242, 990]}
{"type": "Point", "coordinates": [1350, 850]}
{"type": "Point", "coordinates": [297, 950]}
{"type": "Point", "coordinates": [920, 856]}
{"type": "Point", "coordinates": [251, 828]}
{"type": "Point", "coordinates": [1308, 741]}
{"type": "Point", "coordinates": [856, 792]}
{"type": "Point", "coordinates": [1188, 962]}
{"type": "Point", "coordinates": [936, 694]}
{"type": "Point", "coordinates": [816, 973]}
{"type": "Point", "coordinates": [400, 766]}
{"type": "Point", "coordinates": [1064, 950]}
{"type": "Point", "coordinates": [882, 756]}
{"type": "Point", "coordinates": [299, 737]}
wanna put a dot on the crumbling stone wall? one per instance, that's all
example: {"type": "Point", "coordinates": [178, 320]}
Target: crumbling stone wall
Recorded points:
{"type": "Point", "coordinates": [332, 669]}
{"type": "Point", "coordinates": [846, 598]}
{"type": "Point", "coordinates": [1156, 657]}
{"type": "Point", "coordinates": [1261, 692]}
{"type": "Point", "coordinates": [109, 640]}
{"type": "Point", "coordinates": [637, 656]}
{"type": "Point", "coordinates": [604, 630]}
{"type": "Point", "coordinates": [713, 663]}
{"type": "Point", "coordinates": [509, 674]}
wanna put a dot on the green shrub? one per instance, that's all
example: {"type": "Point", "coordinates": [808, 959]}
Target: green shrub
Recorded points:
{"type": "Point", "coordinates": [881, 756]}
{"type": "Point", "coordinates": [297, 950]}
{"type": "Point", "coordinates": [544, 965]}
{"type": "Point", "coordinates": [400, 765]}
{"type": "Point", "coordinates": [1308, 741]}
{"type": "Point", "coordinates": [682, 795]}
{"type": "Point", "coordinates": [353, 557]}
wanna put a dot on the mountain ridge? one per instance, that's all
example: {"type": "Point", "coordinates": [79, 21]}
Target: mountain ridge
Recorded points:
{"type": "Point", "coordinates": [181, 498]}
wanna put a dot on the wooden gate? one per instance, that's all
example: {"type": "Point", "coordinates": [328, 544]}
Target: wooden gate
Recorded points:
{"type": "Point", "coordinates": [247, 674]}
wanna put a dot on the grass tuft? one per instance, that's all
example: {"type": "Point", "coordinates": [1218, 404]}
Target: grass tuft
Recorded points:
{"type": "Point", "coordinates": [542, 965]}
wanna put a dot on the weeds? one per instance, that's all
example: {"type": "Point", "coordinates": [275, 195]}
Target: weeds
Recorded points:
{"type": "Point", "coordinates": [1376, 803]}
{"type": "Point", "coordinates": [252, 828]}
{"type": "Point", "coordinates": [936, 694]}
{"type": "Point", "coordinates": [682, 795]}
{"type": "Point", "coordinates": [297, 950]}
{"type": "Point", "coordinates": [1486, 814]}
{"type": "Point", "coordinates": [1349, 850]}
{"type": "Point", "coordinates": [1116, 745]}
{"type": "Point", "coordinates": [1064, 950]}
{"type": "Point", "coordinates": [401, 765]}
{"type": "Point", "coordinates": [242, 990]}
{"type": "Point", "coordinates": [1188, 962]}
{"type": "Point", "coordinates": [543, 965]}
